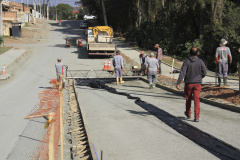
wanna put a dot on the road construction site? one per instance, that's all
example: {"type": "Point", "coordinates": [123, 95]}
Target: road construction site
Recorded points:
{"type": "Point", "coordinates": [127, 121]}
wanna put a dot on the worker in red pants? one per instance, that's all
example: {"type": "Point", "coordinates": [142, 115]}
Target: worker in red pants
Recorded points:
{"type": "Point", "coordinates": [192, 70]}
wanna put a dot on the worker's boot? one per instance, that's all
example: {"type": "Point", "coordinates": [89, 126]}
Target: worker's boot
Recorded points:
{"type": "Point", "coordinates": [117, 81]}
{"type": "Point", "coordinates": [225, 81]}
{"type": "Point", "coordinates": [219, 81]}
{"type": "Point", "coordinates": [121, 81]}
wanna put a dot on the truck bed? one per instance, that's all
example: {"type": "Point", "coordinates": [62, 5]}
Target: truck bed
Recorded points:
{"type": "Point", "coordinates": [102, 49]}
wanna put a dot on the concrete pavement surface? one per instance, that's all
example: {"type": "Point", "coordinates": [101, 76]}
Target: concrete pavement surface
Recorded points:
{"type": "Point", "coordinates": [118, 126]}
{"type": "Point", "coordinates": [123, 130]}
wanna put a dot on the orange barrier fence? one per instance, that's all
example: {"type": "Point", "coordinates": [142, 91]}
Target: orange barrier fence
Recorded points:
{"type": "Point", "coordinates": [49, 108]}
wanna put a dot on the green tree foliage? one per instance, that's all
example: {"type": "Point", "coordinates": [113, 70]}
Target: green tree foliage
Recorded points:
{"type": "Point", "coordinates": [176, 25]}
{"type": "Point", "coordinates": [64, 11]}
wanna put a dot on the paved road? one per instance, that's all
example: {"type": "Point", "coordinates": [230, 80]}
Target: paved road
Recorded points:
{"type": "Point", "coordinates": [118, 126]}
{"type": "Point", "coordinates": [122, 129]}
{"type": "Point", "coordinates": [32, 74]}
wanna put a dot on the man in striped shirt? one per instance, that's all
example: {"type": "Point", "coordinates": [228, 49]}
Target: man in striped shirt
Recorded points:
{"type": "Point", "coordinates": [159, 57]}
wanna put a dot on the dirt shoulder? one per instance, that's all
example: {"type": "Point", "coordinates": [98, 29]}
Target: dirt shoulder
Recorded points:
{"type": "Point", "coordinates": [30, 34]}
{"type": "Point", "coordinates": [209, 92]}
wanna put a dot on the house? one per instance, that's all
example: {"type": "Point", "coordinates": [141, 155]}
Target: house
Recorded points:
{"type": "Point", "coordinates": [14, 13]}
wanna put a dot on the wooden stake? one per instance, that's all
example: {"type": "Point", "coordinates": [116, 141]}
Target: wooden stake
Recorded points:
{"type": "Point", "coordinates": [172, 69]}
{"type": "Point", "coordinates": [239, 74]}
{"type": "Point", "coordinates": [51, 142]}
{"type": "Point", "coordinates": [61, 121]}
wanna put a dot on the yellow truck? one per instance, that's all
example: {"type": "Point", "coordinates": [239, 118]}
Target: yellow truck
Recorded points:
{"type": "Point", "coordinates": [100, 41]}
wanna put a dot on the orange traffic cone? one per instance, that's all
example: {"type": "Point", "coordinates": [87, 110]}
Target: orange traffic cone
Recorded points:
{"type": "Point", "coordinates": [4, 70]}
{"type": "Point", "coordinates": [79, 42]}
{"type": "Point", "coordinates": [67, 43]}
{"type": "Point", "coordinates": [105, 65]}
{"type": "Point", "coordinates": [53, 81]}
{"type": "Point", "coordinates": [62, 72]}
{"type": "Point", "coordinates": [109, 65]}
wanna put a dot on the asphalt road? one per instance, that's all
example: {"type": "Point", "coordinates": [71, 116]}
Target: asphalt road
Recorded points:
{"type": "Point", "coordinates": [119, 127]}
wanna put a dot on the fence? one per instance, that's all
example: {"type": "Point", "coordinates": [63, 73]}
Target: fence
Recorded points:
{"type": "Point", "coordinates": [49, 107]}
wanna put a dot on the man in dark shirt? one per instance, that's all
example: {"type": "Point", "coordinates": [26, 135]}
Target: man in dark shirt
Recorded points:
{"type": "Point", "coordinates": [193, 70]}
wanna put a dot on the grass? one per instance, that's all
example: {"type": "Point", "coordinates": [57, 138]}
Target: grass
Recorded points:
{"type": "Point", "coordinates": [4, 49]}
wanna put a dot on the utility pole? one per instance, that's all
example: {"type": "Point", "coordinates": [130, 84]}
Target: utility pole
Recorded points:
{"type": "Point", "coordinates": [39, 1]}
{"type": "Point", "coordinates": [47, 9]}
{"type": "Point", "coordinates": [1, 22]}
{"type": "Point", "coordinates": [35, 11]}
{"type": "Point", "coordinates": [55, 8]}
{"type": "Point", "coordinates": [104, 13]}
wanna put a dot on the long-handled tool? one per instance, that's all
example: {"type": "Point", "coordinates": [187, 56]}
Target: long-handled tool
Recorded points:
{"type": "Point", "coordinates": [216, 76]}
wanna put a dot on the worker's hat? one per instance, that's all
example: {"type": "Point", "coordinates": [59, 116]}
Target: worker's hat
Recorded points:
{"type": "Point", "coordinates": [151, 54]}
{"type": "Point", "coordinates": [142, 52]}
{"type": "Point", "coordinates": [118, 52]}
{"type": "Point", "coordinates": [59, 59]}
{"type": "Point", "coordinates": [156, 45]}
{"type": "Point", "coordinates": [223, 42]}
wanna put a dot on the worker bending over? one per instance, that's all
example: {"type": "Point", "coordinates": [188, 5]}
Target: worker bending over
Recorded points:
{"type": "Point", "coordinates": [118, 66]}
{"type": "Point", "coordinates": [143, 58]}
{"type": "Point", "coordinates": [152, 70]}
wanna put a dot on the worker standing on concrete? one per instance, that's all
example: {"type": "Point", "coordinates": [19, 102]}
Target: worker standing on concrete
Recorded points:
{"type": "Point", "coordinates": [143, 58]}
{"type": "Point", "coordinates": [223, 57]}
{"type": "Point", "coordinates": [152, 70]}
{"type": "Point", "coordinates": [159, 57]}
{"type": "Point", "coordinates": [192, 70]}
{"type": "Point", "coordinates": [118, 66]}
{"type": "Point", "coordinates": [59, 70]}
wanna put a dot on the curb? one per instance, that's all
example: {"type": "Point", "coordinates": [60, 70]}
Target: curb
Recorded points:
{"type": "Point", "coordinates": [224, 105]}
{"type": "Point", "coordinates": [17, 59]}
{"type": "Point", "coordinates": [7, 76]}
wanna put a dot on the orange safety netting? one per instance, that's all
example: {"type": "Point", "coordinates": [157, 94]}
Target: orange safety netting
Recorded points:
{"type": "Point", "coordinates": [49, 100]}
{"type": "Point", "coordinates": [49, 103]}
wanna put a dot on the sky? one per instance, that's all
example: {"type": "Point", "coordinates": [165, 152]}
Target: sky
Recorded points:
{"type": "Point", "coordinates": [52, 2]}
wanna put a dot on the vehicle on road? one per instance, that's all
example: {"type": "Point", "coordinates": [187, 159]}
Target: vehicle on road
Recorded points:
{"type": "Point", "coordinates": [89, 17]}
{"type": "Point", "coordinates": [100, 41]}
{"type": "Point", "coordinates": [83, 24]}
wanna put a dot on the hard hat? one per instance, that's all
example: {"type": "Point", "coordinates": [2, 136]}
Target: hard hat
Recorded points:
{"type": "Point", "coordinates": [151, 54]}
{"type": "Point", "coordinates": [156, 45]}
{"type": "Point", "coordinates": [59, 59]}
{"type": "Point", "coordinates": [142, 52]}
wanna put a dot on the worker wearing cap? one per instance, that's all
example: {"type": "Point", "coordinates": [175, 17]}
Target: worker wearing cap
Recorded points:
{"type": "Point", "coordinates": [159, 57]}
{"type": "Point", "coordinates": [192, 71]}
{"type": "Point", "coordinates": [223, 57]}
{"type": "Point", "coordinates": [118, 66]}
{"type": "Point", "coordinates": [152, 70]}
{"type": "Point", "coordinates": [143, 58]}
{"type": "Point", "coordinates": [59, 69]}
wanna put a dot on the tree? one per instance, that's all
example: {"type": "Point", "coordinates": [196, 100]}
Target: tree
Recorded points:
{"type": "Point", "coordinates": [176, 25]}
{"type": "Point", "coordinates": [64, 10]}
